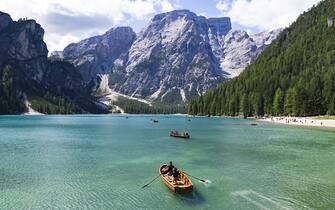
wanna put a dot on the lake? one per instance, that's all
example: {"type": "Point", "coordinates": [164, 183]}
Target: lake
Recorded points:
{"type": "Point", "coordinates": [102, 162]}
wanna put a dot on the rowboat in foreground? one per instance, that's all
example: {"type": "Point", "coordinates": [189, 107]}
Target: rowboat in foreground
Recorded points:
{"type": "Point", "coordinates": [182, 185]}
{"type": "Point", "coordinates": [183, 135]}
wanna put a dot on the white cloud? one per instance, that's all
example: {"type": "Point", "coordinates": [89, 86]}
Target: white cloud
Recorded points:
{"type": "Point", "coordinates": [67, 21]}
{"type": "Point", "coordinates": [203, 14]}
{"type": "Point", "coordinates": [265, 14]}
{"type": "Point", "coordinates": [223, 5]}
{"type": "Point", "coordinates": [177, 4]}
{"type": "Point", "coordinates": [167, 6]}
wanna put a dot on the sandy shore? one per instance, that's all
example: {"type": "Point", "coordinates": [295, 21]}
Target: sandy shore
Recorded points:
{"type": "Point", "coordinates": [301, 121]}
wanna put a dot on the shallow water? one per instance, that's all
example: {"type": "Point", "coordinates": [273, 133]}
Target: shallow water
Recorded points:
{"type": "Point", "coordinates": [101, 162]}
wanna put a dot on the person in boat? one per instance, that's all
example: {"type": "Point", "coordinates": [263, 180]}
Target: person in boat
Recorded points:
{"type": "Point", "coordinates": [168, 169]}
{"type": "Point", "coordinates": [186, 134]}
{"type": "Point", "coordinates": [174, 133]}
{"type": "Point", "coordinates": [175, 174]}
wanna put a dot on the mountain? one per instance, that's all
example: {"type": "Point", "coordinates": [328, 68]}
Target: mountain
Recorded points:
{"type": "Point", "coordinates": [97, 55]}
{"type": "Point", "coordinates": [295, 75]}
{"type": "Point", "coordinates": [30, 80]}
{"type": "Point", "coordinates": [238, 50]}
{"type": "Point", "coordinates": [179, 55]}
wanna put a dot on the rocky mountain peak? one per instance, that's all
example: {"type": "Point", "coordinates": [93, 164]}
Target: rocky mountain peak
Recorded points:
{"type": "Point", "coordinates": [5, 20]}
{"type": "Point", "coordinates": [28, 40]}
{"type": "Point", "coordinates": [118, 32]}
{"type": "Point", "coordinates": [96, 55]}
{"type": "Point", "coordinates": [265, 37]}
{"type": "Point", "coordinates": [220, 26]}
{"type": "Point", "coordinates": [173, 15]}
{"type": "Point", "coordinates": [22, 41]}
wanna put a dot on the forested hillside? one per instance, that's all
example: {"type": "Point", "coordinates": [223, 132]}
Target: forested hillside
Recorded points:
{"type": "Point", "coordinates": [294, 76]}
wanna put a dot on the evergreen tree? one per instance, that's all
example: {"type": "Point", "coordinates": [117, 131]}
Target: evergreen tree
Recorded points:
{"type": "Point", "coordinates": [246, 110]}
{"type": "Point", "coordinates": [11, 103]}
{"type": "Point", "coordinates": [289, 102]}
{"type": "Point", "coordinates": [278, 103]}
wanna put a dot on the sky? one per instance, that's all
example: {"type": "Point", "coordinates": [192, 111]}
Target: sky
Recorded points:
{"type": "Point", "coordinates": [68, 21]}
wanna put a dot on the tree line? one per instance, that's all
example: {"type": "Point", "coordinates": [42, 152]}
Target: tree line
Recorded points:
{"type": "Point", "coordinates": [136, 107]}
{"type": "Point", "coordinates": [51, 104]}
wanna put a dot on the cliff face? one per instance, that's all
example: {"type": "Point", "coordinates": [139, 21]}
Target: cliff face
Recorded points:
{"type": "Point", "coordinates": [22, 45]}
{"type": "Point", "coordinates": [96, 55]}
{"type": "Point", "coordinates": [5, 20]}
{"type": "Point", "coordinates": [24, 56]}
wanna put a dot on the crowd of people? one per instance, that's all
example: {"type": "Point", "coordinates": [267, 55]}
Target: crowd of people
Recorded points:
{"type": "Point", "coordinates": [289, 120]}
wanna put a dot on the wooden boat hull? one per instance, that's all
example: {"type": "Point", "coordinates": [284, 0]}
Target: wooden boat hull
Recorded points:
{"type": "Point", "coordinates": [182, 137]}
{"type": "Point", "coordinates": [179, 135]}
{"type": "Point", "coordinates": [184, 188]}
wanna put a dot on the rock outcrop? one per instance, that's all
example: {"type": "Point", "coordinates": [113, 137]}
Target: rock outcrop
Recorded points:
{"type": "Point", "coordinates": [97, 55]}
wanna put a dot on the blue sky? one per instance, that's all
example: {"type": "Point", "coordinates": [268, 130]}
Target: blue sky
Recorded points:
{"type": "Point", "coordinates": [67, 21]}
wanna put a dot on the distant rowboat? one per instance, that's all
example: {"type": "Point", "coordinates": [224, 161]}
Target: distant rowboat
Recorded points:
{"type": "Point", "coordinates": [183, 185]}
{"type": "Point", "coordinates": [176, 134]}
{"type": "Point", "coordinates": [253, 124]}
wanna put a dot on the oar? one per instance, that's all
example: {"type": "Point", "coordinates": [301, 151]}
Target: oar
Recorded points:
{"type": "Point", "coordinates": [202, 180]}
{"type": "Point", "coordinates": [151, 181]}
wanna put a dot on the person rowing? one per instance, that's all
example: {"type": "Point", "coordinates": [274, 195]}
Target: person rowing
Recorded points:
{"type": "Point", "coordinates": [175, 175]}
{"type": "Point", "coordinates": [169, 169]}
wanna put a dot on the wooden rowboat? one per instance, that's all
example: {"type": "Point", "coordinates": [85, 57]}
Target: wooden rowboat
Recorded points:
{"type": "Point", "coordinates": [183, 185]}
{"type": "Point", "coordinates": [179, 135]}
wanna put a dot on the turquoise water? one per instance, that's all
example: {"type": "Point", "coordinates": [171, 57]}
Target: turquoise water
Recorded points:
{"type": "Point", "coordinates": [101, 162]}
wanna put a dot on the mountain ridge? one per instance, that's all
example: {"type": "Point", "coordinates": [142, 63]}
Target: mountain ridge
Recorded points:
{"type": "Point", "coordinates": [177, 56]}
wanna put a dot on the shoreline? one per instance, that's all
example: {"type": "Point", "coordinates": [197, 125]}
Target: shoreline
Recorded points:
{"type": "Point", "coordinates": [300, 121]}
